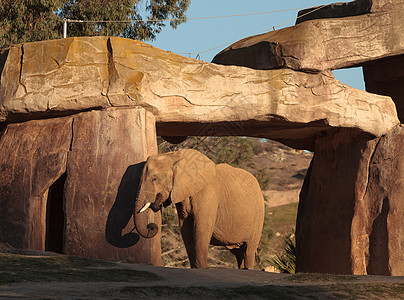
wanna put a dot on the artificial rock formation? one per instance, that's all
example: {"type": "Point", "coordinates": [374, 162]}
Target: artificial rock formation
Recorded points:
{"type": "Point", "coordinates": [61, 77]}
{"type": "Point", "coordinates": [347, 9]}
{"type": "Point", "coordinates": [322, 44]}
{"type": "Point", "coordinates": [79, 116]}
{"type": "Point", "coordinates": [379, 217]}
{"type": "Point", "coordinates": [350, 216]}
{"type": "Point", "coordinates": [60, 178]}
{"type": "Point", "coordinates": [351, 205]}
{"type": "Point", "coordinates": [386, 77]}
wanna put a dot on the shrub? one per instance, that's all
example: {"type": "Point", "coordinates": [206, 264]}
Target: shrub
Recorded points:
{"type": "Point", "coordinates": [266, 240]}
{"type": "Point", "coordinates": [286, 262]}
{"type": "Point", "coordinates": [234, 151]}
{"type": "Point", "coordinates": [264, 178]}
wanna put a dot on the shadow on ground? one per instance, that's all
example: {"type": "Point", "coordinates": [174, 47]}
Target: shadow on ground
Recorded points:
{"type": "Point", "coordinates": [38, 277]}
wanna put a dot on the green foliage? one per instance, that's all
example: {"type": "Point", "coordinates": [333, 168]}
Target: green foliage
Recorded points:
{"type": "Point", "coordinates": [123, 10]}
{"type": "Point", "coordinates": [169, 215]}
{"type": "Point", "coordinates": [29, 20]}
{"type": "Point", "coordinates": [281, 219]}
{"type": "Point", "coordinates": [286, 262]}
{"type": "Point", "coordinates": [266, 241]}
{"type": "Point", "coordinates": [264, 178]}
{"type": "Point", "coordinates": [34, 20]}
{"type": "Point", "coordinates": [234, 151]}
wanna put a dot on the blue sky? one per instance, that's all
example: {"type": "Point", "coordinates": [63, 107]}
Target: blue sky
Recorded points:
{"type": "Point", "coordinates": [196, 36]}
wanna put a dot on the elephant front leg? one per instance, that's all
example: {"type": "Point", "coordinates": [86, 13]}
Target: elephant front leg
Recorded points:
{"type": "Point", "coordinates": [186, 224]}
{"type": "Point", "coordinates": [202, 241]}
{"type": "Point", "coordinates": [187, 233]}
{"type": "Point", "coordinates": [196, 239]}
{"type": "Point", "coordinates": [203, 230]}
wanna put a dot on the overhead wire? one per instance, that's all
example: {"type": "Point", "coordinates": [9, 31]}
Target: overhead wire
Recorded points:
{"type": "Point", "coordinates": [273, 28]}
{"type": "Point", "coordinates": [181, 19]}
{"type": "Point", "coordinates": [203, 18]}
{"type": "Point", "coordinates": [303, 15]}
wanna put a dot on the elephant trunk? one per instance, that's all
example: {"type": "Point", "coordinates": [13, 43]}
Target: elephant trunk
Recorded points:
{"type": "Point", "coordinates": [143, 228]}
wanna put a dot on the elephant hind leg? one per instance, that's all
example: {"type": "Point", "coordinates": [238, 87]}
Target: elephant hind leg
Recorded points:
{"type": "Point", "coordinates": [251, 249]}
{"type": "Point", "coordinates": [249, 257]}
{"type": "Point", "coordinates": [239, 253]}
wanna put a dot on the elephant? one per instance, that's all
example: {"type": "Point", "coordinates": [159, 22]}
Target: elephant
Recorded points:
{"type": "Point", "coordinates": [216, 204]}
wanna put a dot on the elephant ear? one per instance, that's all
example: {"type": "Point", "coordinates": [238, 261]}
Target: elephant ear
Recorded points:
{"type": "Point", "coordinates": [191, 173]}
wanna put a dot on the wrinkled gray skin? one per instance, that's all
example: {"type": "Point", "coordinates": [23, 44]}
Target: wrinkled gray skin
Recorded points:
{"type": "Point", "coordinates": [216, 204]}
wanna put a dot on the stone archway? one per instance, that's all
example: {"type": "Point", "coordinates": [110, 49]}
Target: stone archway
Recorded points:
{"type": "Point", "coordinates": [91, 106]}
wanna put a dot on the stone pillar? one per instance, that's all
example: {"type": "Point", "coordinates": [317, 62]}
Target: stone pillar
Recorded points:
{"type": "Point", "coordinates": [327, 201]}
{"type": "Point", "coordinates": [97, 158]}
{"type": "Point", "coordinates": [386, 77]}
{"type": "Point", "coordinates": [33, 155]}
{"type": "Point", "coordinates": [350, 217]}
{"type": "Point", "coordinates": [105, 143]}
{"type": "Point", "coordinates": [379, 218]}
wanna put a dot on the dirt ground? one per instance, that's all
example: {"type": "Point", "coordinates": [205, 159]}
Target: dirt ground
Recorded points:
{"type": "Point", "coordinates": [215, 283]}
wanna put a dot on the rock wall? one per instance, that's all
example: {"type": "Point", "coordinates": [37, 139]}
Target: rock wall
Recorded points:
{"type": "Point", "coordinates": [95, 151]}
{"type": "Point", "coordinates": [347, 9]}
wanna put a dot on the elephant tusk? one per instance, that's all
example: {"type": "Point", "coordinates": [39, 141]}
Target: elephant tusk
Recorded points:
{"type": "Point", "coordinates": [145, 207]}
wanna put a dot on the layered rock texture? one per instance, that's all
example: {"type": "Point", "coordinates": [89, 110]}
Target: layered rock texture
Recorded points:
{"type": "Point", "coordinates": [60, 77]}
{"type": "Point", "coordinates": [78, 117]}
{"type": "Point", "coordinates": [323, 44]}
{"type": "Point", "coordinates": [351, 209]}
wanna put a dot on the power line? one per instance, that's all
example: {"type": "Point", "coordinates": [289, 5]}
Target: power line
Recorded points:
{"type": "Point", "coordinates": [273, 28]}
{"type": "Point", "coordinates": [65, 21]}
{"type": "Point", "coordinates": [298, 17]}
{"type": "Point", "coordinates": [181, 19]}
